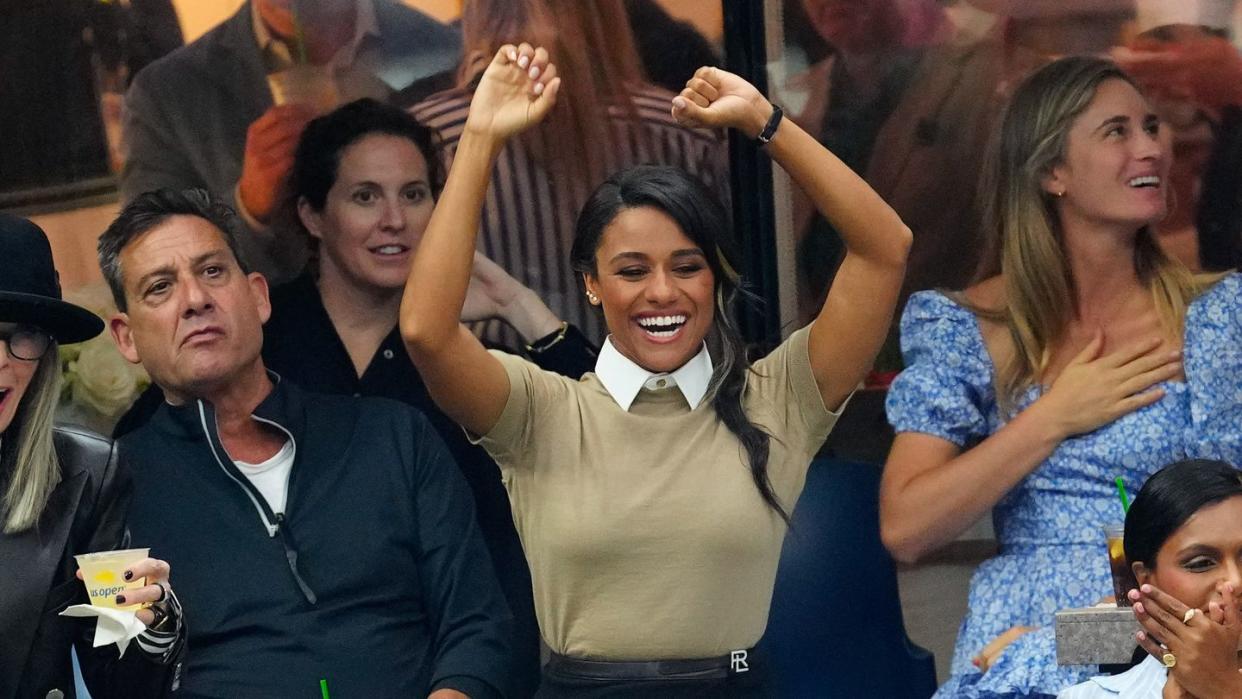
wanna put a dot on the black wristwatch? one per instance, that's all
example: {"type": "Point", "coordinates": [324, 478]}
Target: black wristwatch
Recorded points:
{"type": "Point", "coordinates": [769, 129]}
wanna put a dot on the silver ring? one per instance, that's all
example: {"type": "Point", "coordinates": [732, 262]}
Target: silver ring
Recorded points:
{"type": "Point", "coordinates": [1190, 614]}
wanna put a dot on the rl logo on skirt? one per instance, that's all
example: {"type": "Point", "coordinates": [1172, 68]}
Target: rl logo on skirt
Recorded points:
{"type": "Point", "coordinates": [738, 662]}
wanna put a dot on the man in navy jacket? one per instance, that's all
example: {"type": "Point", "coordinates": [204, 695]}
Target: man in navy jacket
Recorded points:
{"type": "Point", "coordinates": [315, 537]}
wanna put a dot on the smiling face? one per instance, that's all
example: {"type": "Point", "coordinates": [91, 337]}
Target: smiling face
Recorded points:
{"type": "Point", "coordinates": [194, 319]}
{"type": "Point", "coordinates": [374, 214]}
{"type": "Point", "coordinates": [655, 287]}
{"type": "Point", "coordinates": [15, 377]}
{"type": "Point", "coordinates": [1203, 554]}
{"type": "Point", "coordinates": [1117, 161]}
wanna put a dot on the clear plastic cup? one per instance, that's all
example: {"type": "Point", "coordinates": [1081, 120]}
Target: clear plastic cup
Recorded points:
{"type": "Point", "coordinates": [1123, 575]}
{"type": "Point", "coordinates": [104, 575]}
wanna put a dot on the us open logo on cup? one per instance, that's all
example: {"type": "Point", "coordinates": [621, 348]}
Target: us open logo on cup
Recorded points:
{"type": "Point", "coordinates": [104, 575]}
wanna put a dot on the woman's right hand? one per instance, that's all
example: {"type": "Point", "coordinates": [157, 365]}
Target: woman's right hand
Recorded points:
{"type": "Point", "coordinates": [517, 91]}
{"type": "Point", "coordinates": [1204, 646]}
{"type": "Point", "coordinates": [1094, 389]}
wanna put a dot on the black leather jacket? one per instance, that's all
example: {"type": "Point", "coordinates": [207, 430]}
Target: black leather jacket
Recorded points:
{"type": "Point", "coordinates": [85, 513]}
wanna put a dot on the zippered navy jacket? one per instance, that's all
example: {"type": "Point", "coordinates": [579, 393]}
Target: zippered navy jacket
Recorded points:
{"type": "Point", "coordinates": [375, 578]}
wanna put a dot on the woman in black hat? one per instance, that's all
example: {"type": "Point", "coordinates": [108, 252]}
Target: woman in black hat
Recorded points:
{"type": "Point", "coordinates": [62, 492]}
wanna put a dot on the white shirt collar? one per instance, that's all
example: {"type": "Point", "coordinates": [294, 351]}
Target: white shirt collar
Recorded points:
{"type": "Point", "coordinates": [1139, 681]}
{"type": "Point", "coordinates": [623, 379]}
{"type": "Point", "coordinates": [365, 24]}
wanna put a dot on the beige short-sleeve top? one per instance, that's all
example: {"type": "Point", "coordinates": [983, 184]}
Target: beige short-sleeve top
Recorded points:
{"type": "Point", "coordinates": [646, 536]}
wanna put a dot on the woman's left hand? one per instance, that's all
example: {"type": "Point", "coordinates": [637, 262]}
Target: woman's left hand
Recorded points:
{"type": "Point", "coordinates": [716, 98]}
{"type": "Point", "coordinates": [156, 592]}
{"type": "Point", "coordinates": [1204, 646]}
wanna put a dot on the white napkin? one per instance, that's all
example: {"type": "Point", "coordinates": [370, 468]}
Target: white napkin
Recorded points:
{"type": "Point", "coordinates": [119, 626]}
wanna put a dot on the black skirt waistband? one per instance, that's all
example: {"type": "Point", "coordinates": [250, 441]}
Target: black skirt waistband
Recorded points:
{"type": "Point", "coordinates": [720, 667]}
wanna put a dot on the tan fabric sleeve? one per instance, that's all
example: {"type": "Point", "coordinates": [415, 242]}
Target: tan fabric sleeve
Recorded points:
{"type": "Point", "coordinates": [783, 381]}
{"type": "Point", "coordinates": [534, 394]}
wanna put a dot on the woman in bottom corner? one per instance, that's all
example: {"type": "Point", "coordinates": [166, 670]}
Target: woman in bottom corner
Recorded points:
{"type": "Point", "coordinates": [1184, 542]}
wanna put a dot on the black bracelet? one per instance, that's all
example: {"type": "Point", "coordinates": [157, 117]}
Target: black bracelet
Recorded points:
{"type": "Point", "coordinates": [769, 129]}
{"type": "Point", "coordinates": [548, 341]}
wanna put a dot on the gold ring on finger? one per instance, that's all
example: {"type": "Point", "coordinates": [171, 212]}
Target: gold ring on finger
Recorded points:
{"type": "Point", "coordinates": [1169, 660]}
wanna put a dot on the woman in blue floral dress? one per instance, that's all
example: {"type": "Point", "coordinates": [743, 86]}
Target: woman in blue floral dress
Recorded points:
{"type": "Point", "coordinates": [1028, 393]}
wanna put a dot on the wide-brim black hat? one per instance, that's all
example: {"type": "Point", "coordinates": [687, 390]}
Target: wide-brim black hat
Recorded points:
{"type": "Point", "coordinates": [30, 287]}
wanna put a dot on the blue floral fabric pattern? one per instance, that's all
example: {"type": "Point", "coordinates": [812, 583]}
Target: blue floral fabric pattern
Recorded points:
{"type": "Point", "coordinates": [1050, 526]}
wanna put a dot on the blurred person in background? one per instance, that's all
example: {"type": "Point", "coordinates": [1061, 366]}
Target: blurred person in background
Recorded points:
{"type": "Point", "coordinates": [900, 99]}
{"type": "Point", "coordinates": [670, 49]}
{"type": "Point", "coordinates": [613, 118]}
{"type": "Point", "coordinates": [1182, 55]}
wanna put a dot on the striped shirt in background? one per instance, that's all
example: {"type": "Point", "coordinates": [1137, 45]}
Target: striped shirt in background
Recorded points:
{"type": "Point", "coordinates": [528, 220]}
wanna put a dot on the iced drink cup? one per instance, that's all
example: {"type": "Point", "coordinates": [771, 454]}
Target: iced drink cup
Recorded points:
{"type": "Point", "coordinates": [1123, 576]}
{"type": "Point", "coordinates": [104, 575]}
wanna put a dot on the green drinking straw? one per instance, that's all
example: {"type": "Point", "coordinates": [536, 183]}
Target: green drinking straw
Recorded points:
{"type": "Point", "coordinates": [323, 688]}
{"type": "Point", "coordinates": [1121, 493]}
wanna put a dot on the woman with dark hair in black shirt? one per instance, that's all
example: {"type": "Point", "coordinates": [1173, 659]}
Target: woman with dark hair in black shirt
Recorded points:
{"type": "Point", "coordinates": [363, 185]}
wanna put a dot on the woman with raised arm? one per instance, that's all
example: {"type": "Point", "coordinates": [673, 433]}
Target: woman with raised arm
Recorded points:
{"type": "Point", "coordinates": [652, 496]}
{"type": "Point", "coordinates": [1027, 394]}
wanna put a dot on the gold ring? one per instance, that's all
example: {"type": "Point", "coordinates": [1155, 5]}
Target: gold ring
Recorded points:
{"type": "Point", "coordinates": [1190, 614]}
{"type": "Point", "coordinates": [1169, 660]}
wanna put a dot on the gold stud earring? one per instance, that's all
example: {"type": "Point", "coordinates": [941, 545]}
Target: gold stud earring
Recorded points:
{"type": "Point", "coordinates": [592, 298]}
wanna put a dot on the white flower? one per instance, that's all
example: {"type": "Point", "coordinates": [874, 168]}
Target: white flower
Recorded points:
{"type": "Point", "coordinates": [102, 380]}
{"type": "Point", "coordinates": [96, 376]}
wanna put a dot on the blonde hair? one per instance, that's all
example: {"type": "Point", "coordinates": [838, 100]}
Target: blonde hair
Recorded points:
{"type": "Point", "coordinates": [27, 453]}
{"type": "Point", "coordinates": [1020, 215]}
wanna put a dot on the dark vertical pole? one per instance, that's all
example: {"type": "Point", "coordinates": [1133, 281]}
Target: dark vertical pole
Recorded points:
{"type": "Point", "coordinates": [751, 178]}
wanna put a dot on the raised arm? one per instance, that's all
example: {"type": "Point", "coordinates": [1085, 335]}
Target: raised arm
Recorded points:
{"type": "Point", "coordinates": [516, 91]}
{"type": "Point", "coordinates": [856, 316]}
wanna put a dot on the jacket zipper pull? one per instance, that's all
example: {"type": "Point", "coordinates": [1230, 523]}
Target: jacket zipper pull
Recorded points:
{"type": "Point", "coordinates": [291, 555]}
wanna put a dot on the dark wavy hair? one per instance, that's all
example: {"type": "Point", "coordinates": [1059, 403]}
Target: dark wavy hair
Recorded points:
{"type": "Point", "coordinates": [702, 218]}
{"type": "Point", "coordinates": [317, 159]}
